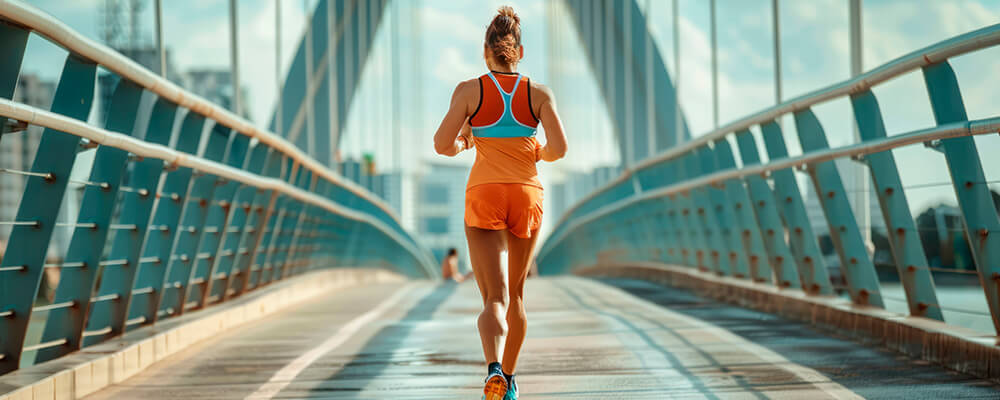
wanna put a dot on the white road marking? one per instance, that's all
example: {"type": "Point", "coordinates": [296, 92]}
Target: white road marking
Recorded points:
{"type": "Point", "coordinates": [808, 375]}
{"type": "Point", "coordinates": [286, 375]}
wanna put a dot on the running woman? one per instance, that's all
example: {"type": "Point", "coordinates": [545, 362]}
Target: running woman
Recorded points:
{"type": "Point", "coordinates": [498, 113]}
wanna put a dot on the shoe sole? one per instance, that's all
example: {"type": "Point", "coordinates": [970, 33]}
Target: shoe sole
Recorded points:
{"type": "Point", "coordinates": [495, 389]}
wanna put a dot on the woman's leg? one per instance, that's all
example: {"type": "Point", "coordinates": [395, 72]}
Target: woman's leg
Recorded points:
{"type": "Point", "coordinates": [519, 255]}
{"type": "Point", "coordinates": [485, 247]}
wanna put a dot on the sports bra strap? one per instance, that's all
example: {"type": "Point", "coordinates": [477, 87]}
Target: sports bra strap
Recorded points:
{"type": "Point", "coordinates": [500, 88]}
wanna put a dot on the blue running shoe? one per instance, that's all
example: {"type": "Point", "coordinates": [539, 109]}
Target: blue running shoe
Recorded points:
{"type": "Point", "coordinates": [511, 389]}
{"type": "Point", "coordinates": [496, 383]}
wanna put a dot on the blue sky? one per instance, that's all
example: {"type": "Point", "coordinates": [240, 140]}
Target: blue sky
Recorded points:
{"type": "Point", "coordinates": [815, 54]}
{"type": "Point", "coordinates": [814, 45]}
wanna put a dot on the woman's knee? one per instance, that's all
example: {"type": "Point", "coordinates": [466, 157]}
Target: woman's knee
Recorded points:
{"type": "Point", "coordinates": [496, 296]}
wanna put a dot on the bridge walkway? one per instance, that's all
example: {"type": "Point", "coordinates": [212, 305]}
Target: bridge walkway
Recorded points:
{"type": "Point", "coordinates": [587, 339]}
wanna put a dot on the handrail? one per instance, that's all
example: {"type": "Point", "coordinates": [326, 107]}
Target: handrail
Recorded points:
{"type": "Point", "coordinates": [35, 116]}
{"type": "Point", "coordinates": [946, 131]}
{"type": "Point", "coordinates": [57, 32]}
{"type": "Point", "coordinates": [940, 51]}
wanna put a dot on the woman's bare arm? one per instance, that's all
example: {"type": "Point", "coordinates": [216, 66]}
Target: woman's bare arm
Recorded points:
{"type": "Point", "coordinates": [446, 140]}
{"type": "Point", "coordinates": [555, 136]}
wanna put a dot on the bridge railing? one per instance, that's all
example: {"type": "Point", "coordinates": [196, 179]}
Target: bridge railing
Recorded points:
{"type": "Point", "coordinates": [692, 205]}
{"type": "Point", "coordinates": [185, 207]}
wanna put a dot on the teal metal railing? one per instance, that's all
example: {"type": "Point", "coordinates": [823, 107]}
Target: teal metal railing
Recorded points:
{"type": "Point", "coordinates": [692, 206]}
{"type": "Point", "coordinates": [163, 227]}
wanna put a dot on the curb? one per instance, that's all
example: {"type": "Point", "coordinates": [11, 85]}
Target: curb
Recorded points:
{"type": "Point", "coordinates": [953, 347]}
{"type": "Point", "coordinates": [94, 368]}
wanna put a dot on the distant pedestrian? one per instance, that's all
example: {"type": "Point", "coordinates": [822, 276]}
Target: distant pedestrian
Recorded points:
{"type": "Point", "coordinates": [449, 267]}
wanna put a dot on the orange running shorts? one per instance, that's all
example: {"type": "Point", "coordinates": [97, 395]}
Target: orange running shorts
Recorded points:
{"type": "Point", "coordinates": [497, 206]}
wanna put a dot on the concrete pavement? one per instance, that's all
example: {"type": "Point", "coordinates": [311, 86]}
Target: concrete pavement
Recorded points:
{"type": "Point", "coordinates": [586, 340]}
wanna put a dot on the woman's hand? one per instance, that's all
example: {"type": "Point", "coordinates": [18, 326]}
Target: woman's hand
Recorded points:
{"type": "Point", "coordinates": [466, 135]}
{"type": "Point", "coordinates": [450, 139]}
{"type": "Point", "coordinates": [555, 137]}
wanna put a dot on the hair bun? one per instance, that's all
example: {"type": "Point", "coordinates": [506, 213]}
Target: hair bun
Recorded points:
{"type": "Point", "coordinates": [504, 36]}
{"type": "Point", "coordinates": [508, 11]}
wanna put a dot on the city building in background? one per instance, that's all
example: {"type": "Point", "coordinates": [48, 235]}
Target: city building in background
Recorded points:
{"type": "Point", "coordinates": [439, 211]}
{"type": "Point", "coordinates": [17, 149]}
{"type": "Point", "coordinates": [215, 85]}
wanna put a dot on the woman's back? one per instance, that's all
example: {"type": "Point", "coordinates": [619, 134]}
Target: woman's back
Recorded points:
{"type": "Point", "coordinates": [503, 131]}
{"type": "Point", "coordinates": [498, 114]}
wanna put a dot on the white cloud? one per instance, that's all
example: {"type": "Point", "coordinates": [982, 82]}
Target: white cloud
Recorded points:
{"type": "Point", "coordinates": [695, 77]}
{"type": "Point", "coordinates": [453, 66]}
{"type": "Point", "coordinates": [453, 25]}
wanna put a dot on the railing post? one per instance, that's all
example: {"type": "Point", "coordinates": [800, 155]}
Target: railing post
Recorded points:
{"type": "Point", "coordinates": [184, 255]}
{"type": "Point", "coordinates": [267, 226]}
{"type": "Point", "coordinates": [303, 246]}
{"type": "Point", "coordinates": [982, 226]}
{"type": "Point", "coordinates": [86, 247]}
{"type": "Point", "coordinates": [677, 243]}
{"type": "Point", "coordinates": [276, 237]}
{"type": "Point", "coordinates": [261, 227]}
{"type": "Point", "coordinates": [862, 281]}
{"type": "Point", "coordinates": [635, 231]}
{"type": "Point", "coordinates": [240, 212]}
{"type": "Point", "coordinates": [24, 260]}
{"type": "Point", "coordinates": [701, 208]}
{"type": "Point", "coordinates": [253, 231]}
{"type": "Point", "coordinates": [289, 254]}
{"type": "Point", "coordinates": [788, 270]}
{"type": "Point", "coordinates": [696, 248]}
{"type": "Point", "coordinates": [746, 227]}
{"type": "Point", "coordinates": [13, 40]}
{"type": "Point", "coordinates": [220, 211]}
{"type": "Point", "coordinates": [788, 198]}
{"type": "Point", "coordinates": [136, 210]}
{"type": "Point", "coordinates": [666, 224]}
{"type": "Point", "coordinates": [904, 239]}
{"type": "Point", "coordinates": [729, 227]}
{"type": "Point", "coordinates": [656, 238]}
{"type": "Point", "coordinates": [169, 207]}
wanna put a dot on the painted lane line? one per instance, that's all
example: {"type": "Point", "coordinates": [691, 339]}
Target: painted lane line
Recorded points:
{"type": "Point", "coordinates": [287, 374]}
{"type": "Point", "coordinates": [806, 374]}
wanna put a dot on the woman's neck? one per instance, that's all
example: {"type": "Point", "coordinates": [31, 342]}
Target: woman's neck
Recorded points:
{"type": "Point", "coordinates": [510, 69]}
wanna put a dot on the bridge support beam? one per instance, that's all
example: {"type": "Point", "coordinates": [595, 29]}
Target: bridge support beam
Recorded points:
{"type": "Point", "coordinates": [855, 260]}
{"type": "Point", "coordinates": [83, 261]}
{"type": "Point", "coordinates": [708, 222]}
{"type": "Point", "coordinates": [740, 254]}
{"type": "Point", "coordinates": [136, 211]}
{"type": "Point", "coordinates": [982, 225]}
{"type": "Point", "coordinates": [788, 198]}
{"type": "Point", "coordinates": [13, 41]}
{"type": "Point", "coordinates": [24, 260]}
{"type": "Point", "coordinates": [223, 270]}
{"type": "Point", "coordinates": [159, 247]}
{"type": "Point", "coordinates": [253, 232]}
{"type": "Point", "coordinates": [199, 282]}
{"type": "Point", "coordinates": [614, 34]}
{"type": "Point", "coordinates": [200, 197]}
{"type": "Point", "coordinates": [747, 228]}
{"type": "Point", "coordinates": [787, 268]}
{"type": "Point", "coordinates": [904, 239]}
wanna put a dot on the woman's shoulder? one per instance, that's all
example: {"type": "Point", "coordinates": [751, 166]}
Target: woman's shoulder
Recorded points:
{"type": "Point", "coordinates": [468, 84]}
{"type": "Point", "coordinates": [467, 91]}
{"type": "Point", "coordinates": [540, 92]}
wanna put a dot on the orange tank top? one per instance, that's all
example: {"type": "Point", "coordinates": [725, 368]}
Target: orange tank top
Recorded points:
{"type": "Point", "coordinates": [503, 131]}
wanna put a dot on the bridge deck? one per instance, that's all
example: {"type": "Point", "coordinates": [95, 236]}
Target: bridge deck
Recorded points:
{"type": "Point", "coordinates": [586, 340]}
